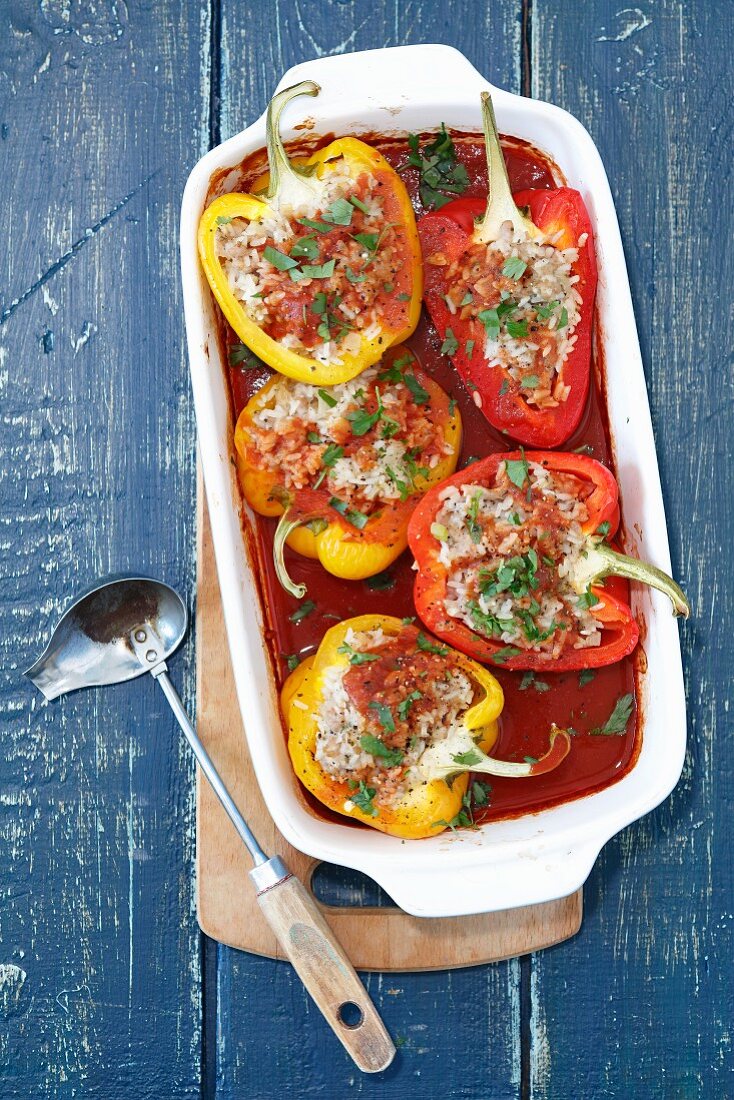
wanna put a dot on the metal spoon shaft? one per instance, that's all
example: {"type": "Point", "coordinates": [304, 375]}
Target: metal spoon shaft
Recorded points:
{"type": "Point", "coordinates": [206, 765]}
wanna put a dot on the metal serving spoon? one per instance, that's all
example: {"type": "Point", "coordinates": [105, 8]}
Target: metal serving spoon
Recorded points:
{"type": "Point", "coordinates": [125, 627]}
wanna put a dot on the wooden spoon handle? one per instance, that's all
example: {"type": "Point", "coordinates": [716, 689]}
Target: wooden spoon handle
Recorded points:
{"type": "Point", "coordinates": [320, 962]}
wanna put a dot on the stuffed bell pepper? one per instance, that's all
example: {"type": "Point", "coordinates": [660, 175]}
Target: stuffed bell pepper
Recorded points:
{"type": "Point", "coordinates": [344, 466]}
{"type": "Point", "coordinates": [385, 725]}
{"type": "Point", "coordinates": [318, 271]}
{"type": "Point", "coordinates": [510, 288]}
{"type": "Point", "coordinates": [511, 553]}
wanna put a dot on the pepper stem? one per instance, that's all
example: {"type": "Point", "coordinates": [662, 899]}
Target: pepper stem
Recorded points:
{"type": "Point", "coordinates": [500, 204]}
{"type": "Point", "coordinates": [460, 754]}
{"type": "Point", "coordinates": [601, 561]}
{"type": "Point", "coordinates": [282, 531]}
{"type": "Point", "coordinates": [290, 184]}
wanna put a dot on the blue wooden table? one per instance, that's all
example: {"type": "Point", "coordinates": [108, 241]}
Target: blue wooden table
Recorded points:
{"type": "Point", "coordinates": [107, 987]}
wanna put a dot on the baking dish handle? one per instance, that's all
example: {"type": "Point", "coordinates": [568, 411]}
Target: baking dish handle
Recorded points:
{"type": "Point", "coordinates": [390, 78]}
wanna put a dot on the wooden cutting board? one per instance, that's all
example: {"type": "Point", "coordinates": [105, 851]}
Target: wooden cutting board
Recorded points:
{"type": "Point", "coordinates": [374, 938]}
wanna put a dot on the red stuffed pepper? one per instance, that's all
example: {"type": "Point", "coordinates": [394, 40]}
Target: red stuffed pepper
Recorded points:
{"type": "Point", "coordinates": [510, 555]}
{"type": "Point", "coordinates": [511, 292]}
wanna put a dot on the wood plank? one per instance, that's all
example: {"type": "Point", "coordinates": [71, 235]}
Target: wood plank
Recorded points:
{"type": "Point", "coordinates": [101, 116]}
{"type": "Point", "coordinates": [374, 937]}
{"type": "Point", "coordinates": [644, 993]}
{"type": "Point", "coordinates": [438, 1017]}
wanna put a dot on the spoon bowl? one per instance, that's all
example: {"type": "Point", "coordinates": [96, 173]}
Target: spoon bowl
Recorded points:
{"type": "Point", "coordinates": [92, 644]}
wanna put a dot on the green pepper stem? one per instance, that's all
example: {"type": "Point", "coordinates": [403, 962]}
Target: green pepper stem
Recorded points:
{"type": "Point", "coordinates": [500, 203]}
{"type": "Point", "coordinates": [601, 561]}
{"type": "Point", "coordinates": [282, 531]}
{"type": "Point", "coordinates": [460, 754]}
{"type": "Point", "coordinates": [290, 184]}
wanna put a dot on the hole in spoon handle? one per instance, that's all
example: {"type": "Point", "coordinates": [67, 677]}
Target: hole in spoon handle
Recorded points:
{"type": "Point", "coordinates": [322, 965]}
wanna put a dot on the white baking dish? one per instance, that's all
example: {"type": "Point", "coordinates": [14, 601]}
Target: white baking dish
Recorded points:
{"type": "Point", "coordinates": [540, 856]}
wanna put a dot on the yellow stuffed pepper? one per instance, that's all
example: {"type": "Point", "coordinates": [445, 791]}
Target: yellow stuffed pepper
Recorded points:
{"type": "Point", "coordinates": [320, 270]}
{"type": "Point", "coordinates": [383, 715]}
{"type": "Point", "coordinates": [344, 467]}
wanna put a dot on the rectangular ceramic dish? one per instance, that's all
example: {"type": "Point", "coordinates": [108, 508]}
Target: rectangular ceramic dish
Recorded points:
{"type": "Point", "coordinates": [507, 863]}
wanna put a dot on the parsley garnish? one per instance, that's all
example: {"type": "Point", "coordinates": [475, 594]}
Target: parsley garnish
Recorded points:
{"type": "Point", "coordinates": [358, 203]}
{"type": "Point", "coordinates": [604, 528]}
{"type": "Point", "coordinates": [384, 715]}
{"type": "Point", "coordinates": [473, 525]}
{"type": "Point", "coordinates": [241, 356]}
{"type": "Point", "coordinates": [407, 703]}
{"type": "Point", "coordinates": [420, 396]}
{"type": "Point", "coordinates": [327, 398]}
{"type": "Point", "coordinates": [585, 677]}
{"type": "Point", "coordinates": [320, 227]}
{"type": "Point", "coordinates": [375, 747]}
{"type": "Point", "coordinates": [505, 654]}
{"type": "Point", "coordinates": [362, 421]}
{"type": "Point", "coordinates": [306, 247]}
{"type": "Point", "coordinates": [617, 721]}
{"type": "Point", "coordinates": [279, 259]}
{"type": "Point", "coordinates": [356, 658]}
{"type": "Point", "coordinates": [529, 680]}
{"type": "Point", "coordinates": [339, 213]}
{"type": "Point", "coordinates": [362, 797]}
{"type": "Point", "coordinates": [223, 220]}
{"type": "Point", "coordinates": [529, 382]}
{"type": "Point", "coordinates": [588, 599]}
{"type": "Point", "coordinates": [428, 646]}
{"type": "Point", "coordinates": [517, 329]}
{"type": "Point", "coordinates": [351, 515]}
{"type": "Point", "coordinates": [466, 759]}
{"type": "Point", "coordinates": [450, 343]}
{"type": "Point", "coordinates": [292, 660]}
{"type": "Point", "coordinates": [441, 175]}
{"type": "Point", "coordinates": [301, 612]}
{"type": "Point", "coordinates": [381, 581]}
{"type": "Point", "coordinates": [517, 469]}
{"type": "Point", "coordinates": [514, 267]}
{"type": "Point", "coordinates": [469, 348]}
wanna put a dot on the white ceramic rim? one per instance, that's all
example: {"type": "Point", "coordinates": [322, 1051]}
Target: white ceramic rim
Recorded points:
{"type": "Point", "coordinates": [540, 856]}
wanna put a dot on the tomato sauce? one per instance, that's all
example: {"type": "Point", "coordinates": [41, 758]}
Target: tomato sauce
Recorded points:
{"type": "Point", "coordinates": [563, 698]}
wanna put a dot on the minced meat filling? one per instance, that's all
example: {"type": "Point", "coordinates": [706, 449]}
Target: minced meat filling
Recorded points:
{"type": "Point", "coordinates": [365, 441]}
{"type": "Point", "coordinates": [398, 695]}
{"type": "Point", "coordinates": [510, 550]}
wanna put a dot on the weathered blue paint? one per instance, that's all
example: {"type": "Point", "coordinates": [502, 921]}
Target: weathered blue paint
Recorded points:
{"type": "Point", "coordinates": [103, 109]}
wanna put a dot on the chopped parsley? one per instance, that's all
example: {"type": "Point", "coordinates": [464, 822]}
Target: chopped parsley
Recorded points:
{"type": "Point", "coordinates": [362, 797]}
{"type": "Point", "coordinates": [467, 759]}
{"type": "Point", "coordinates": [356, 658]}
{"type": "Point", "coordinates": [529, 680]}
{"type": "Point", "coordinates": [428, 646]}
{"type": "Point", "coordinates": [351, 515]}
{"type": "Point", "coordinates": [384, 715]}
{"type": "Point", "coordinates": [407, 703]}
{"type": "Point", "coordinates": [517, 470]}
{"type": "Point", "coordinates": [469, 348]}
{"type": "Point", "coordinates": [441, 174]}
{"type": "Point", "coordinates": [306, 247]}
{"type": "Point", "coordinates": [340, 212]}
{"type": "Point", "coordinates": [514, 267]}
{"type": "Point", "coordinates": [616, 723]}
{"type": "Point", "coordinates": [517, 329]}
{"type": "Point", "coordinates": [588, 599]}
{"type": "Point", "coordinates": [292, 660]}
{"type": "Point", "coordinates": [301, 612]}
{"type": "Point", "coordinates": [362, 421]}
{"type": "Point", "coordinates": [529, 382]}
{"type": "Point", "coordinates": [505, 654]}
{"type": "Point", "coordinates": [240, 356]}
{"type": "Point", "coordinates": [375, 747]}
{"type": "Point", "coordinates": [327, 398]}
{"type": "Point", "coordinates": [604, 528]}
{"type": "Point", "coordinates": [450, 343]}
{"type": "Point", "coordinates": [487, 624]}
{"type": "Point", "coordinates": [381, 581]}
{"type": "Point", "coordinates": [358, 203]}
{"type": "Point", "coordinates": [473, 525]}
{"type": "Point", "coordinates": [278, 259]}
{"type": "Point", "coordinates": [420, 396]}
{"type": "Point", "coordinates": [585, 677]}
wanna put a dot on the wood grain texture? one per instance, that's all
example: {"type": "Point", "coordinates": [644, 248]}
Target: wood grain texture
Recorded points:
{"type": "Point", "coordinates": [437, 1017]}
{"type": "Point", "coordinates": [375, 937]}
{"type": "Point", "coordinates": [101, 115]}
{"type": "Point", "coordinates": [644, 994]}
